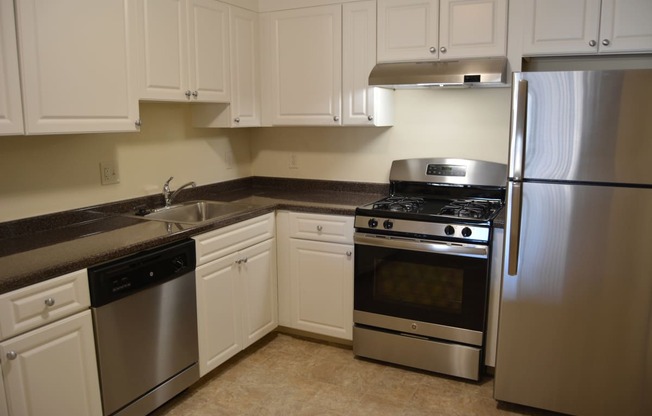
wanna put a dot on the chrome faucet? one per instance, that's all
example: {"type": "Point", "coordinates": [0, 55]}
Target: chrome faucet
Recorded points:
{"type": "Point", "coordinates": [169, 195]}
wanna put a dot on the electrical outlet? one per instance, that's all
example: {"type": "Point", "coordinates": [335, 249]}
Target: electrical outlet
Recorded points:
{"type": "Point", "coordinates": [109, 173]}
{"type": "Point", "coordinates": [228, 159]}
{"type": "Point", "coordinates": [294, 161]}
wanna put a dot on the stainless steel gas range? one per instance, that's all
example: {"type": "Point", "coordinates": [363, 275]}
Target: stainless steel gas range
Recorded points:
{"type": "Point", "coordinates": [422, 261]}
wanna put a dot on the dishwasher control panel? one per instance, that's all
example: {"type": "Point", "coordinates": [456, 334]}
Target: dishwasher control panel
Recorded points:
{"type": "Point", "coordinates": [118, 278]}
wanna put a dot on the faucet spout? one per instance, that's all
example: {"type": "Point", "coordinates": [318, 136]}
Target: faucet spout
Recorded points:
{"type": "Point", "coordinates": [169, 195]}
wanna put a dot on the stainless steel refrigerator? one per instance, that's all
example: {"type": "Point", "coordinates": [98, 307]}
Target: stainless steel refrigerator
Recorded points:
{"type": "Point", "coordinates": [575, 328]}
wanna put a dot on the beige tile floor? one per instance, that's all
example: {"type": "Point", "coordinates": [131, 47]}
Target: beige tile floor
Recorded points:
{"type": "Point", "coordinates": [286, 375]}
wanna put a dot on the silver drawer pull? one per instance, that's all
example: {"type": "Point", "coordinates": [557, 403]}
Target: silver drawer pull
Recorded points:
{"type": "Point", "coordinates": [11, 355]}
{"type": "Point", "coordinates": [49, 302]}
{"type": "Point", "coordinates": [319, 228]}
{"type": "Point", "coordinates": [349, 254]}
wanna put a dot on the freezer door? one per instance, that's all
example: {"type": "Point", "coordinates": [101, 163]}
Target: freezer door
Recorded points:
{"type": "Point", "coordinates": [575, 329]}
{"type": "Point", "coordinates": [593, 126]}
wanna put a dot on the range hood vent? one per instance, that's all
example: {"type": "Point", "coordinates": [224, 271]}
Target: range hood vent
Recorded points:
{"type": "Point", "coordinates": [489, 72]}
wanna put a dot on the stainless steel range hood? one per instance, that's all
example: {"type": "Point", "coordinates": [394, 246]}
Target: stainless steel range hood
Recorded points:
{"type": "Point", "coordinates": [489, 72]}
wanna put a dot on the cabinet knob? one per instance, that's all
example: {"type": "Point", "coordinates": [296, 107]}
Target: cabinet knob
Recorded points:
{"type": "Point", "coordinates": [605, 42]}
{"type": "Point", "coordinates": [370, 118]}
{"type": "Point", "coordinates": [11, 355]}
{"type": "Point", "coordinates": [349, 254]}
{"type": "Point", "coordinates": [49, 302]}
{"type": "Point", "coordinates": [319, 228]}
{"type": "Point", "coordinates": [236, 120]}
{"type": "Point", "coordinates": [138, 123]}
{"type": "Point", "coordinates": [195, 94]}
{"type": "Point", "coordinates": [592, 43]}
{"type": "Point", "coordinates": [336, 118]}
{"type": "Point", "coordinates": [188, 93]}
{"type": "Point", "coordinates": [433, 49]}
{"type": "Point", "coordinates": [442, 49]}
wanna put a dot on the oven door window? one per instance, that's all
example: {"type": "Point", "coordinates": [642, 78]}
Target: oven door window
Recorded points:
{"type": "Point", "coordinates": [435, 288]}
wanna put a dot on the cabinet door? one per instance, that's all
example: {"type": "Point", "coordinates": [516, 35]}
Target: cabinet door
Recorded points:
{"type": "Point", "coordinates": [76, 68]}
{"type": "Point", "coordinates": [219, 313]}
{"type": "Point", "coordinates": [245, 99]}
{"type": "Point", "coordinates": [55, 371]}
{"type": "Point", "coordinates": [305, 47]}
{"type": "Point", "coordinates": [321, 276]}
{"type": "Point", "coordinates": [163, 53]}
{"type": "Point", "coordinates": [560, 26]}
{"type": "Point", "coordinates": [11, 111]}
{"type": "Point", "coordinates": [3, 398]}
{"type": "Point", "coordinates": [408, 30]}
{"type": "Point", "coordinates": [472, 28]}
{"type": "Point", "coordinates": [362, 105]}
{"type": "Point", "coordinates": [626, 26]}
{"type": "Point", "coordinates": [259, 291]}
{"type": "Point", "coordinates": [208, 60]}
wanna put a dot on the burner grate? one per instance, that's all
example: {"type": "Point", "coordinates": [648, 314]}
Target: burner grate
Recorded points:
{"type": "Point", "coordinates": [399, 203]}
{"type": "Point", "coordinates": [471, 208]}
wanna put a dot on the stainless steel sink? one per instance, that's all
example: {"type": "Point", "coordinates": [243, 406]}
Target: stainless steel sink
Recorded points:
{"type": "Point", "coordinates": [193, 212]}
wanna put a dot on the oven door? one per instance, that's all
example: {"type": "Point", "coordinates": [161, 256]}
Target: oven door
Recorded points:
{"type": "Point", "coordinates": [422, 288]}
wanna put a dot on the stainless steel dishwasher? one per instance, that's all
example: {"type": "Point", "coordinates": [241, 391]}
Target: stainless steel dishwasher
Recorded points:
{"type": "Point", "coordinates": [145, 319]}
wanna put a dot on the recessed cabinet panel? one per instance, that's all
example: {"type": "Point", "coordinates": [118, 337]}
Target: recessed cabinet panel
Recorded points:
{"type": "Point", "coordinates": [408, 30]}
{"type": "Point", "coordinates": [75, 64]}
{"type": "Point", "coordinates": [626, 25]}
{"type": "Point", "coordinates": [164, 54]}
{"type": "Point", "coordinates": [472, 29]}
{"type": "Point", "coordinates": [305, 66]}
{"type": "Point", "coordinates": [209, 51]}
{"type": "Point", "coordinates": [11, 111]}
{"type": "Point", "coordinates": [54, 371]}
{"type": "Point", "coordinates": [245, 100]}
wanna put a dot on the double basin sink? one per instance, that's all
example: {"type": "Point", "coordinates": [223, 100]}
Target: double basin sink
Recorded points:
{"type": "Point", "coordinates": [195, 212]}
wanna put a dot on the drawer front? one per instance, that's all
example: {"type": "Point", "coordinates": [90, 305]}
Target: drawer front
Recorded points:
{"type": "Point", "coordinates": [227, 240]}
{"type": "Point", "coordinates": [320, 227]}
{"type": "Point", "coordinates": [39, 304]}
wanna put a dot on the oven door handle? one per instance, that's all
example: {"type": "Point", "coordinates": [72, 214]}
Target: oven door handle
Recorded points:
{"type": "Point", "coordinates": [452, 249]}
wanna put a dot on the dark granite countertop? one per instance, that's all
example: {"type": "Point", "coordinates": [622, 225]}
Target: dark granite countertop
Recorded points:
{"type": "Point", "coordinates": [36, 249]}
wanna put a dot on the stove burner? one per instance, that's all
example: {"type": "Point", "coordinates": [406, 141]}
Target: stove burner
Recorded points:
{"type": "Point", "coordinates": [471, 208]}
{"type": "Point", "coordinates": [399, 204]}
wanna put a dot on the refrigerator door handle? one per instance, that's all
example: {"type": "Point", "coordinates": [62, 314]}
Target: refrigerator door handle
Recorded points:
{"type": "Point", "coordinates": [516, 197]}
{"type": "Point", "coordinates": [517, 129]}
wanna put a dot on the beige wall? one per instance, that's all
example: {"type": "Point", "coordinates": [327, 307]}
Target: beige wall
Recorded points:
{"type": "Point", "coordinates": [468, 123]}
{"type": "Point", "coordinates": [44, 174]}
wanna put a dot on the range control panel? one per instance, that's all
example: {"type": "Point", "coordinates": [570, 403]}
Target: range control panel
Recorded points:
{"type": "Point", "coordinates": [446, 170]}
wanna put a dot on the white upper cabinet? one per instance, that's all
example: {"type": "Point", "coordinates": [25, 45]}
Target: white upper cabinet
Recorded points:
{"type": "Point", "coordinates": [362, 105]}
{"type": "Point", "coordinates": [472, 28]}
{"type": "Point", "coordinates": [553, 27]}
{"type": "Point", "coordinates": [75, 65]}
{"type": "Point", "coordinates": [183, 50]}
{"type": "Point", "coordinates": [408, 30]}
{"type": "Point", "coordinates": [11, 111]}
{"type": "Point", "coordinates": [303, 66]}
{"type": "Point", "coordinates": [244, 109]}
{"type": "Point", "coordinates": [420, 30]}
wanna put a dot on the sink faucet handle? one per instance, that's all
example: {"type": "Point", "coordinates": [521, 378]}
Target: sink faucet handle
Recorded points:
{"type": "Point", "coordinates": [167, 191]}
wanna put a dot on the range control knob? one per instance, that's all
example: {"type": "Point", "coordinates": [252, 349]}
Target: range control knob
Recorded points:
{"type": "Point", "coordinates": [466, 232]}
{"type": "Point", "coordinates": [373, 223]}
{"type": "Point", "coordinates": [388, 225]}
{"type": "Point", "coordinates": [449, 230]}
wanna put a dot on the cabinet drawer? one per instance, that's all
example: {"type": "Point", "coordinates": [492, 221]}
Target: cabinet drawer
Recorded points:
{"type": "Point", "coordinates": [227, 240]}
{"type": "Point", "coordinates": [320, 227]}
{"type": "Point", "coordinates": [27, 308]}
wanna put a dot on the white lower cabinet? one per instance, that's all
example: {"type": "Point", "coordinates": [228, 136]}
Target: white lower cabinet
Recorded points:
{"type": "Point", "coordinates": [316, 273]}
{"type": "Point", "coordinates": [3, 399]}
{"type": "Point", "coordinates": [237, 292]}
{"type": "Point", "coordinates": [52, 370]}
